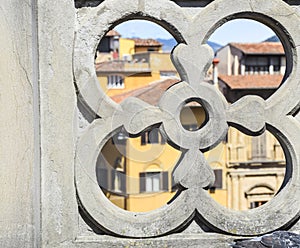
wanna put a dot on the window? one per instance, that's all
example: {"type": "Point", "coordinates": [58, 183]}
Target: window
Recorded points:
{"type": "Point", "coordinates": [115, 82]}
{"type": "Point", "coordinates": [154, 181]}
{"type": "Point", "coordinates": [112, 179]}
{"type": "Point", "coordinates": [263, 65]}
{"type": "Point", "coordinates": [256, 69]}
{"type": "Point", "coordinates": [104, 45]}
{"type": "Point", "coordinates": [218, 184]}
{"type": "Point", "coordinates": [102, 177]}
{"type": "Point", "coordinates": [120, 138]}
{"type": "Point", "coordinates": [256, 204]}
{"type": "Point", "coordinates": [152, 137]}
{"type": "Point", "coordinates": [118, 181]}
{"type": "Point", "coordinates": [259, 150]}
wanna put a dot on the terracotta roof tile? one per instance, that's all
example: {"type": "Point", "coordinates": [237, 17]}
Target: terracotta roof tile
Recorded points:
{"type": "Point", "coordinates": [252, 81]}
{"type": "Point", "coordinates": [110, 66]}
{"type": "Point", "coordinates": [150, 93]}
{"type": "Point", "coordinates": [146, 42]}
{"type": "Point", "coordinates": [112, 33]}
{"type": "Point", "coordinates": [260, 48]}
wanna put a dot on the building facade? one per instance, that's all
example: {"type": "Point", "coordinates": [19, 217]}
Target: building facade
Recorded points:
{"type": "Point", "coordinates": [255, 165]}
{"type": "Point", "coordinates": [248, 170]}
{"type": "Point", "coordinates": [124, 64]}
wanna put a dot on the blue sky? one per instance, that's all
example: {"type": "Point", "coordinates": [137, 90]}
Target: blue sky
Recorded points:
{"type": "Point", "coordinates": [240, 30]}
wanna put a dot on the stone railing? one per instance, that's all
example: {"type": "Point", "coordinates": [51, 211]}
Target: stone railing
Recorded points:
{"type": "Point", "coordinates": [61, 204]}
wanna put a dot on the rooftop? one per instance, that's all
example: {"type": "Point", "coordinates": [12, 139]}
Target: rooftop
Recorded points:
{"type": "Point", "coordinates": [146, 42]}
{"type": "Point", "coordinates": [252, 81]}
{"type": "Point", "coordinates": [112, 33]}
{"type": "Point", "coordinates": [260, 48]}
{"type": "Point", "coordinates": [150, 93]}
{"type": "Point", "coordinates": [121, 66]}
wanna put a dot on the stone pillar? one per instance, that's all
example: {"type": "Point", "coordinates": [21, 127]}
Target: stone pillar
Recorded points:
{"type": "Point", "coordinates": [243, 202]}
{"type": "Point", "coordinates": [235, 192]}
{"type": "Point", "coordinates": [215, 72]}
{"type": "Point", "coordinates": [236, 65]}
{"type": "Point", "coordinates": [19, 191]}
{"type": "Point", "coordinates": [229, 62]}
{"type": "Point", "coordinates": [229, 191]}
{"type": "Point", "coordinates": [57, 122]}
{"type": "Point", "coordinates": [243, 69]}
{"type": "Point", "coordinates": [271, 69]}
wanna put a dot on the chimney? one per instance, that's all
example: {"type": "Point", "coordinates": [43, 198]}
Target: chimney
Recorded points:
{"type": "Point", "coordinates": [215, 71]}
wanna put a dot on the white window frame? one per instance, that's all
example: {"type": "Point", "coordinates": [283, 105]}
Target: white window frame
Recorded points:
{"type": "Point", "coordinates": [115, 81]}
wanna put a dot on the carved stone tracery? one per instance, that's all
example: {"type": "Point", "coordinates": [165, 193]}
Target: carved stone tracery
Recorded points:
{"type": "Point", "coordinates": [192, 59]}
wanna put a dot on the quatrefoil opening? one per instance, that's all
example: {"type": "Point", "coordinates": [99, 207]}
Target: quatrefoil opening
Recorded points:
{"type": "Point", "coordinates": [194, 202]}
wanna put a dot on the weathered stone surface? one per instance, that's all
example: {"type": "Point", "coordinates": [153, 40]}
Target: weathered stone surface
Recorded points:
{"type": "Point", "coordinates": [278, 239]}
{"type": "Point", "coordinates": [17, 191]}
{"type": "Point", "coordinates": [48, 46]}
{"type": "Point", "coordinates": [191, 60]}
{"type": "Point", "coordinates": [58, 121]}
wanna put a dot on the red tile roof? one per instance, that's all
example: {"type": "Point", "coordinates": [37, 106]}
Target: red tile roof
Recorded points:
{"type": "Point", "coordinates": [150, 93]}
{"type": "Point", "coordinates": [260, 48]}
{"type": "Point", "coordinates": [112, 33]}
{"type": "Point", "coordinates": [146, 42]}
{"type": "Point", "coordinates": [110, 66]}
{"type": "Point", "coordinates": [252, 81]}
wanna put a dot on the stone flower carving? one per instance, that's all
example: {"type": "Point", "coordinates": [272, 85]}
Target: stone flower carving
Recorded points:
{"type": "Point", "coordinates": [191, 58]}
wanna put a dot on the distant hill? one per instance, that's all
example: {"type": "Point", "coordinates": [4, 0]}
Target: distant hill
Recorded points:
{"type": "Point", "coordinates": [168, 44]}
{"type": "Point", "coordinates": [273, 39]}
{"type": "Point", "coordinates": [214, 46]}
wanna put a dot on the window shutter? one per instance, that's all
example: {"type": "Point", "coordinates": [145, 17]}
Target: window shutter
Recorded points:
{"type": "Point", "coordinates": [162, 139]}
{"type": "Point", "coordinates": [142, 182]}
{"type": "Point", "coordinates": [102, 178]}
{"type": "Point", "coordinates": [143, 139]}
{"type": "Point", "coordinates": [123, 182]}
{"type": "Point", "coordinates": [112, 181]}
{"type": "Point", "coordinates": [218, 179]}
{"type": "Point", "coordinates": [165, 180]}
{"type": "Point", "coordinates": [153, 136]}
{"type": "Point", "coordinates": [173, 185]}
{"type": "Point", "coordinates": [259, 147]}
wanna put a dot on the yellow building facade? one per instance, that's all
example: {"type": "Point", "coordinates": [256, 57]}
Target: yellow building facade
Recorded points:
{"type": "Point", "coordinates": [136, 172]}
{"type": "Point", "coordinates": [241, 183]}
{"type": "Point", "coordinates": [138, 63]}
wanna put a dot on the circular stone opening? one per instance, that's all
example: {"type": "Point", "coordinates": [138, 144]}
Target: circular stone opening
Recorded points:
{"type": "Point", "coordinates": [249, 170]}
{"type": "Point", "coordinates": [250, 60]}
{"type": "Point", "coordinates": [193, 116]}
{"type": "Point", "coordinates": [135, 173]}
{"type": "Point", "coordinates": [133, 60]}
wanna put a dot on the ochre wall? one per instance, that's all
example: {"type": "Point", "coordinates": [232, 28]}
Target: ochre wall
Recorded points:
{"type": "Point", "coordinates": [126, 47]}
{"type": "Point", "coordinates": [144, 49]}
{"type": "Point", "coordinates": [161, 62]}
{"type": "Point", "coordinates": [130, 82]}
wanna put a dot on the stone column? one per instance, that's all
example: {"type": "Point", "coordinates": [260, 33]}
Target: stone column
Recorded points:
{"type": "Point", "coordinates": [19, 191]}
{"type": "Point", "coordinates": [242, 201]}
{"type": "Point", "coordinates": [57, 122]}
{"type": "Point", "coordinates": [235, 192]}
{"type": "Point", "coordinates": [229, 191]}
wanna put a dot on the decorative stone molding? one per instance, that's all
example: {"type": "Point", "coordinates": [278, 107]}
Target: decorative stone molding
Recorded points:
{"type": "Point", "coordinates": [192, 57]}
{"type": "Point", "coordinates": [55, 119]}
